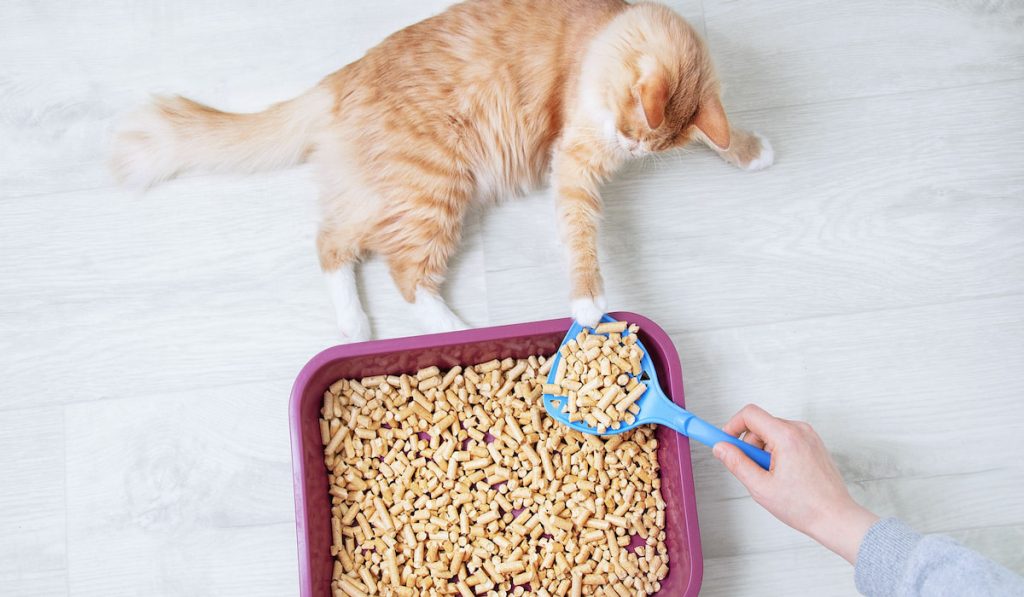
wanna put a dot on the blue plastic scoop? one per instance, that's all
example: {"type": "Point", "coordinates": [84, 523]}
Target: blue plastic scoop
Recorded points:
{"type": "Point", "coordinates": [655, 407]}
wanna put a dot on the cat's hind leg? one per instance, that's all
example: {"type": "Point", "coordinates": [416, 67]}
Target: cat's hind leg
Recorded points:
{"type": "Point", "coordinates": [433, 312]}
{"type": "Point", "coordinates": [417, 239]}
{"type": "Point", "coordinates": [338, 257]}
{"type": "Point", "coordinates": [419, 278]}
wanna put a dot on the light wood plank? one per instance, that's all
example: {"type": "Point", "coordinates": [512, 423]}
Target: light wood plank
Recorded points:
{"type": "Point", "coordinates": [790, 52]}
{"type": "Point", "coordinates": [33, 559]}
{"type": "Point", "coordinates": [804, 571]}
{"type": "Point", "coordinates": [211, 561]}
{"type": "Point", "coordinates": [182, 494]}
{"type": "Point", "coordinates": [36, 584]}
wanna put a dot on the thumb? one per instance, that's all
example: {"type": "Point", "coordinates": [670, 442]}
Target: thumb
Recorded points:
{"type": "Point", "coordinates": [744, 469]}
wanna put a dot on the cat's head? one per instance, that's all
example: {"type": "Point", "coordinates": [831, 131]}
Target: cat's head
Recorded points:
{"type": "Point", "coordinates": [648, 81]}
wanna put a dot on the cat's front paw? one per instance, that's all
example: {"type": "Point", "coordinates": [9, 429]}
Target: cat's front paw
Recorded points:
{"type": "Point", "coordinates": [763, 158]}
{"type": "Point", "coordinates": [748, 151]}
{"type": "Point", "coordinates": [588, 310]}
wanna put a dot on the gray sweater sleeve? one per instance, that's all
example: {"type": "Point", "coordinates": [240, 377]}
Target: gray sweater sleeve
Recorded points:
{"type": "Point", "coordinates": [895, 560]}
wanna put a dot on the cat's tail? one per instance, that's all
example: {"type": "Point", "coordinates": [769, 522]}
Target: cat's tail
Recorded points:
{"type": "Point", "coordinates": [174, 134]}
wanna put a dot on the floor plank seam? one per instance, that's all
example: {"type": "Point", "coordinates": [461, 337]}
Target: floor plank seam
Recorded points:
{"type": "Point", "coordinates": [182, 391]}
{"type": "Point", "coordinates": [836, 100]}
{"type": "Point", "coordinates": [67, 545]}
{"type": "Point", "coordinates": [979, 298]}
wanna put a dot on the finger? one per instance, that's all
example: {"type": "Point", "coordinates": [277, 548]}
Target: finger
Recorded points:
{"type": "Point", "coordinates": [754, 418]}
{"type": "Point", "coordinates": [744, 469]}
{"type": "Point", "coordinates": [735, 426]}
{"type": "Point", "coordinates": [753, 439]}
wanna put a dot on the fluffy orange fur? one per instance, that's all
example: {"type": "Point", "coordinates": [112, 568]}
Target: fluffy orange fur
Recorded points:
{"type": "Point", "coordinates": [484, 100]}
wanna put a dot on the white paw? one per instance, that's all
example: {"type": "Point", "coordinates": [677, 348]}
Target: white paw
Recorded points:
{"type": "Point", "coordinates": [448, 322]}
{"type": "Point", "coordinates": [434, 315]}
{"type": "Point", "coordinates": [354, 326]}
{"type": "Point", "coordinates": [143, 151]}
{"type": "Point", "coordinates": [588, 311]}
{"type": "Point", "coordinates": [352, 321]}
{"type": "Point", "coordinates": [765, 158]}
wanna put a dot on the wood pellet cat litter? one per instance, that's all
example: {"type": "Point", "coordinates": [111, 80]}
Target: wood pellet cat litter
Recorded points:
{"type": "Point", "coordinates": [457, 483]}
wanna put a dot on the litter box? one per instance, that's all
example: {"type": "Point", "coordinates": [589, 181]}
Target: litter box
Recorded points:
{"type": "Point", "coordinates": [406, 355]}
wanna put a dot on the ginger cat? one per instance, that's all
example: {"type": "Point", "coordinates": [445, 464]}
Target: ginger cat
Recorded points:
{"type": "Point", "coordinates": [484, 100]}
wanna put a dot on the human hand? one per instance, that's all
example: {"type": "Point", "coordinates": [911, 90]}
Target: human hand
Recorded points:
{"type": "Point", "coordinates": [803, 488]}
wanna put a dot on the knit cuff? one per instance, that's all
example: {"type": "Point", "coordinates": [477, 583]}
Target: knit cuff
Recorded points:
{"type": "Point", "coordinates": [883, 555]}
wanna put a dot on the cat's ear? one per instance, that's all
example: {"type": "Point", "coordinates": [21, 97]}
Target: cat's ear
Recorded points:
{"type": "Point", "coordinates": [652, 91]}
{"type": "Point", "coordinates": [711, 121]}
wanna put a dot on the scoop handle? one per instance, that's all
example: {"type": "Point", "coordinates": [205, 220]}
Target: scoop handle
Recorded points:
{"type": "Point", "coordinates": [708, 434]}
{"type": "Point", "coordinates": [694, 427]}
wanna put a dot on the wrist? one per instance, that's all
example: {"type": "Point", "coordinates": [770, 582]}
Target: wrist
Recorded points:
{"type": "Point", "coordinates": [843, 529]}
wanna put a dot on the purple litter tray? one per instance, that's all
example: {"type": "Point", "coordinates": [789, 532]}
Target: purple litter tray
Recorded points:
{"type": "Point", "coordinates": [406, 355]}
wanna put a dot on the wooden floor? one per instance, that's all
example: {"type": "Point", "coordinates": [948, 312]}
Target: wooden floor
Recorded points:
{"type": "Point", "coordinates": [871, 282]}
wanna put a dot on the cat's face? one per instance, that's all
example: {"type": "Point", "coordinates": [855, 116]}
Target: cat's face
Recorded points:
{"type": "Point", "coordinates": [658, 86]}
{"type": "Point", "coordinates": [656, 114]}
